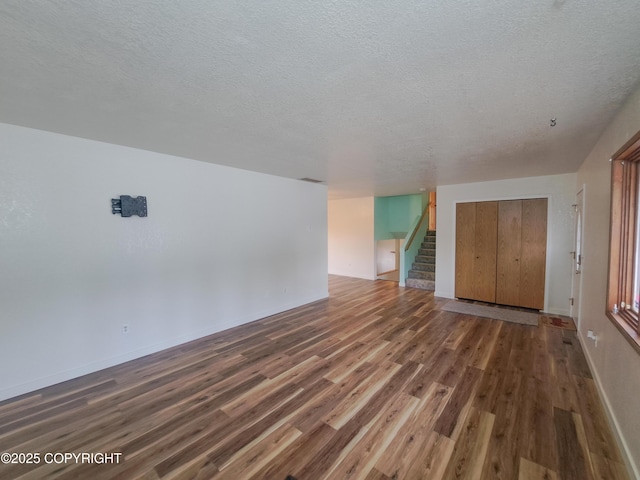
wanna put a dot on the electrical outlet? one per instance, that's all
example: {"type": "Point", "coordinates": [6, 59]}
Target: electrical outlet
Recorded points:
{"type": "Point", "coordinates": [125, 328]}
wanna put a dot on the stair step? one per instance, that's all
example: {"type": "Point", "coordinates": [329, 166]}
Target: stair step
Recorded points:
{"type": "Point", "coordinates": [423, 267]}
{"type": "Point", "coordinates": [424, 259]}
{"type": "Point", "coordinates": [421, 284]}
{"type": "Point", "coordinates": [423, 271]}
{"type": "Point", "coordinates": [421, 274]}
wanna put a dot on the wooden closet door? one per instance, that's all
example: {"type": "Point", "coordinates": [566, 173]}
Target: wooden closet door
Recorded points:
{"type": "Point", "coordinates": [534, 253]}
{"type": "Point", "coordinates": [465, 248]}
{"type": "Point", "coordinates": [509, 252]}
{"type": "Point", "coordinates": [476, 243]}
{"type": "Point", "coordinates": [486, 242]}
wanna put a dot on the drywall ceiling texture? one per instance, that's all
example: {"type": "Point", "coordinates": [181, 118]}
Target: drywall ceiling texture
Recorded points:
{"type": "Point", "coordinates": [375, 98]}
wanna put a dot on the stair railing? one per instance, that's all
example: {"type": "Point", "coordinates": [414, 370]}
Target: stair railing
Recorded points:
{"type": "Point", "coordinates": [410, 250]}
{"type": "Point", "coordinates": [408, 244]}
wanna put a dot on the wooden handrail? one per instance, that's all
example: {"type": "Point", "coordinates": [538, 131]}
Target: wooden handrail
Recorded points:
{"type": "Point", "coordinates": [415, 230]}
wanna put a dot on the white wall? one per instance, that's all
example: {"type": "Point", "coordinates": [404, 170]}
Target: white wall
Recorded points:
{"type": "Point", "coordinates": [559, 189]}
{"type": "Point", "coordinates": [220, 247]}
{"type": "Point", "coordinates": [615, 363]}
{"type": "Point", "coordinates": [351, 237]}
{"type": "Point", "coordinates": [387, 252]}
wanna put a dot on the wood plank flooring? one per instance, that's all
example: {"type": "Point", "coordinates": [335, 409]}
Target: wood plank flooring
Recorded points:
{"type": "Point", "coordinates": [374, 383]}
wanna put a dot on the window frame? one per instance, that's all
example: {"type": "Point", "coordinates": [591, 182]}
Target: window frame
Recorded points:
{"type": "Point", "coordinates": [625, 217]}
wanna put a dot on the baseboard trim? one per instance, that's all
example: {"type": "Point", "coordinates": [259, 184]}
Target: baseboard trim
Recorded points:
{"type": "Point", "coordinates": [440, 293]}
{"type": "Point", "coordinates": [558, 311]}
{"type": "Point", "coordinates": [65, 375]}
{"type": "Point", "coordinates": [615, 426]}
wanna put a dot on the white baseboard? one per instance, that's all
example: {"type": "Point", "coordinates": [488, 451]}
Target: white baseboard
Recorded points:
{"type": "Point", "coordinates": [632, 468]}
{"type": "Point", "coordinates": [352, 275]}
{"type": "Point", "coordinates": [439, 293]}
{"type": "Point", "coordinates": [63, 376]}
{"type": "Point", "coordinates": [558, 311]}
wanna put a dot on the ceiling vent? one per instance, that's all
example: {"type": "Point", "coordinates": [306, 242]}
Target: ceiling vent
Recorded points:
{"type": "Point", "coordinates": [310, 180]}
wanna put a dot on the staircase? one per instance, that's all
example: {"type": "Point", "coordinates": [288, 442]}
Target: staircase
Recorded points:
{"type": "Point", "coordinates": [423, 271]}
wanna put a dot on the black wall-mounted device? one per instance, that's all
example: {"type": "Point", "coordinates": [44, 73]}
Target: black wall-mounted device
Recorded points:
{"type": "Point", "coordinates": [128, 206]}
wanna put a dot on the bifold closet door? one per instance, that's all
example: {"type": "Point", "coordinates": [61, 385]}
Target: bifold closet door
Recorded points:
{"type": "Point", "coordinates": [522, 245]}
{"type": "Point", "coordinates": [509, 252]}
{"type": "Point", "coordinates": [465, 248]}
{"type": "Point", "coordinates": [476, 249]}
{"type": "Point", "coordinates": [534, 253]}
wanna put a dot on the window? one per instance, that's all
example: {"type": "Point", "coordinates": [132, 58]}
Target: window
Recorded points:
{"type": "Point", "coordinates": [624, 255]}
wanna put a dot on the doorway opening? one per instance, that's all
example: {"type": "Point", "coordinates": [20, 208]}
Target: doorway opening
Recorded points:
{"type": "Point", "coordinates": [576, 286]}
{"type": "Point", "coordinates": [388, 259]}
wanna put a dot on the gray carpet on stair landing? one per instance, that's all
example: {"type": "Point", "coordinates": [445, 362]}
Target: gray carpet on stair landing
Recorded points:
{"type": "Point", "coordinates": [497, 313]}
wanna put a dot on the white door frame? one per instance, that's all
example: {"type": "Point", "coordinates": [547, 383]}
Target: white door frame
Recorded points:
{"type": "Point", "coordinates": [577, 257]}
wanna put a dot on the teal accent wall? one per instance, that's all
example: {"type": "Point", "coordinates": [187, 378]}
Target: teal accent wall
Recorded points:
{"type": "Point", "coordinates": [395, 216]}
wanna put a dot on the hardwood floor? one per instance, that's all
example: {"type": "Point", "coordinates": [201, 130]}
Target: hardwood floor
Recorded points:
{"type": "Point", "coordinates": [374, 383]}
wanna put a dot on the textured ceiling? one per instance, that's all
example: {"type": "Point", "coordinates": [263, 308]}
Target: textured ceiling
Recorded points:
{"type": "Point", "coordinates": [374, 97]}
